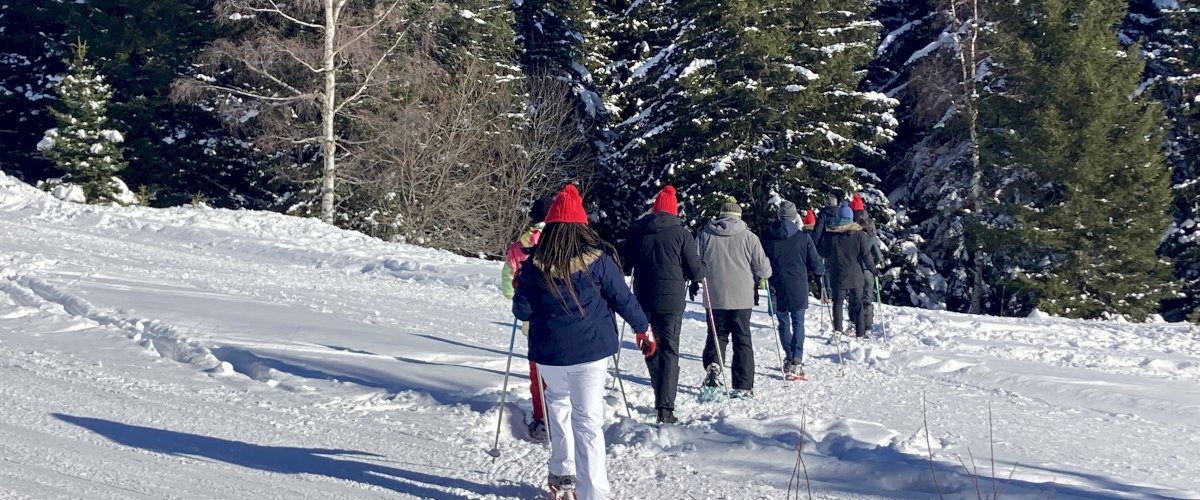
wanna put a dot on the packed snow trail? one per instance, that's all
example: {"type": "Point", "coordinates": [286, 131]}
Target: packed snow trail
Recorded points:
{"type": "Point", "coordinates": [199, 353]}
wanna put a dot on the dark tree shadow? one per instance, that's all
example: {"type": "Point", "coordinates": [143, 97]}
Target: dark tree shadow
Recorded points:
{"type": "Point", "coordinates": [474, 346]}
{"type": "Point", "coordinates": [293, 460]}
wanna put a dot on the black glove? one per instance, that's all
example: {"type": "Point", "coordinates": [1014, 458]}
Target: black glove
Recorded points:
{"type": "Point", "coordinates": [693, 289]}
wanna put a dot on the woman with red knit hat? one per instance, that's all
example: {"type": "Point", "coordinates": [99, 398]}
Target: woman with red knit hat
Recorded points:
{"type": "Point", "coordinates": [662, 256]}
{"type": "Point", "coordinates": [857, 206]}
{"type": "Point", "coordinates": [567, 292]}
{"type": "Point", "coordinates": [809, 220]}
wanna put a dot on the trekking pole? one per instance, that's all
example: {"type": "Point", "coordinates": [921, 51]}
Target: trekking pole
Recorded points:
{"type": "Point", "coordinates": [712, 328]}
{"type": "Point", "coordinates": [778, 341]}
{"type": "Point", "coordinates": [617, 357]}
{"type": "Point", "coordinates": [617, 366]}
{"type": "Point", "coordinates": [879, 302]}
{"type": "Point", "coordinates": [512, 342]}
{"type": "Point", "coordinates": [545, 408]}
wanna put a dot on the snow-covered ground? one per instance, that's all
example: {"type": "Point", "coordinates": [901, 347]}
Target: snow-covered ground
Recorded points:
{"type": "Point", "coordinates": [199, 353]}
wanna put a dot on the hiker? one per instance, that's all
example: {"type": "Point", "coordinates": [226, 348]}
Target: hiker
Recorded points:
{"type": "Point", "coordinates": [661, 255]}
{"type": "Point", "coordinates": [794, 259]}
{"type": "Point", "coordinates": [733, 257]}
{"type": "Point", "coordinates": [568, 291]}
{"type": "Point", "coordinates": [847, 251]}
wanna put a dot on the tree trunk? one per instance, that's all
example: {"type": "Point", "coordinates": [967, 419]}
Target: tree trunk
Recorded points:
{"type": "Point", "coordinates": [328, 140]}
{"type": "Point", "coordinates": [968, 58]}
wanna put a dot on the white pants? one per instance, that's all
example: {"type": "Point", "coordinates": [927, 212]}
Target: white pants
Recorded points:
{"type": "Point", "coordinates": [575, 397]}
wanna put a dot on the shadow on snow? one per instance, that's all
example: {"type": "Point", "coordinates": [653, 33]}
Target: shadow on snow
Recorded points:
{"type": "Point", "coordinates": [294, 460]}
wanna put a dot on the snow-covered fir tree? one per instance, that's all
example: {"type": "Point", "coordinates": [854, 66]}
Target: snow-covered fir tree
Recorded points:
{"type": "Point", "coordinates": [638, 84]}
{"type": "Point", "coordinates": [84, 145]}
{"type": "Point", "coordinates": [930, 50]}
{"type": "Point", "coordinates": [758, 101]}
{"type": "Point", "coordinates": [1081, 154]}
{"type": "Point", "coordinates": [924, 167]}
{"type": "Point", "coordinates": [1172, 44]}
{"type": "Point", "coordinates": [31, 60]}
{"type": "Point", "coordinates": [556, 39]}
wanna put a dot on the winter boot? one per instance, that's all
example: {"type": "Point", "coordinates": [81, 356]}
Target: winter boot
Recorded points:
{"type": "Point", "coordinates": [537, 431]}
{"type": "Point", "coordinates": [713, 377]}
{"type": "Point", "coordinates": [666, 416]}
{"type": "Point", "coordinates": [713, 389]}
{"type": "Point", "coordinates": [796, 372]}
{"type": "Point", "coordinates": [562, 487]}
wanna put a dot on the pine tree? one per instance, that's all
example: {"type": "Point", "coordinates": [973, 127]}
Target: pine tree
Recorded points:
{"type": "Point", "coordinates": [31, 59]}
{"type": "Point", "coordinates": [83, 145]}
{"type": "Point", "coordinates": [555, 39]}
{"type": "Point", "coordinates": [759, 101]}
{"type": "Point", "coordinates": [639, 84]}
{"type": "Point", "coordinates": [1173, 71]}
{"type": "Point", "coordinates": [1084, 181]}
{"type": "Point", "coordinates": [174, 149]}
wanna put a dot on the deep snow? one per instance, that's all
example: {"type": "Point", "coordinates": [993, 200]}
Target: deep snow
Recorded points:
{"type": "Point", "coordinates": [200, 353]}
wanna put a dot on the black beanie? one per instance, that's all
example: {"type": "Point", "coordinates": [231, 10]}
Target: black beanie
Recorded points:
{"type": "Point", "coordinates": [537, 212]}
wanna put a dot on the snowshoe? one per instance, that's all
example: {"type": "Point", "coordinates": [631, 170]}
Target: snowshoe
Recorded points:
{"type": "Point", "coordinates": [795, 373]}
{"type": "Point", "coordinates": [713, 389]}
{"type": "Point", "coordinates": [537, 431]}
{"type": "Point", "coordinates": [741, 394]}
{"type": "Point", "coordinates": [835, 338]}
{"type": "Point", "coordinates": [561, 487]}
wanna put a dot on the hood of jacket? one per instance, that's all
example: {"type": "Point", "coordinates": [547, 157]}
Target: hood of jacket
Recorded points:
{"type": "Point", "coordinates": [846, 228]}
{"type": "Point", "coordinates": [578, 263]}
{"type": "Point", "coordinates": [726, 226]}
{"type": "Point", "coordinates": [660, 221]}
{"type": "Point", "coordinates": [782, 229]}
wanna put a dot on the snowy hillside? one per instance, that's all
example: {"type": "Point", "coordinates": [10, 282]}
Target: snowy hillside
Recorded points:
{"type": "Point", "coordinates": [199, 353]}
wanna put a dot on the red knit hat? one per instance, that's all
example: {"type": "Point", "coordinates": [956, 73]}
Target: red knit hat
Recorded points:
{"type": "Point", "coordinates": [856, 203]}
{"type": "Point", "coordinates": [809, 219]}
{"type": "Point", "coordinates": [665, 202]}
{"type": "Point", "coordinates": [567, 207]}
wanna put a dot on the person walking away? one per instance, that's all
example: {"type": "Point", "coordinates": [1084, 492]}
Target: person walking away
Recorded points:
{"type": "Point", "coordinates": [824, 218]}
{"type": "Point", "coordinates": [661, 255]}
{"type": "Point", "coordinates": [869, 274]}
{"type": "Point", "coordinates": [733, 256]}
{"type": "Point", "coordinates": [567, 291]}
{"type": "Point", "coordinates": [518, 251]}
{"type": "Point", "coordinates": [794, 259]}
{"type": "Point", "coordinates": [809, 223]}
{"type": "Point", "coordinates": [857, 206]}
{"type": "Point", "coordinates": [846, 249]}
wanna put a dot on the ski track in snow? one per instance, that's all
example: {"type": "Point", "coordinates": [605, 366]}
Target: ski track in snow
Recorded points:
{"type": "Point", "coordinates": [199, 353]}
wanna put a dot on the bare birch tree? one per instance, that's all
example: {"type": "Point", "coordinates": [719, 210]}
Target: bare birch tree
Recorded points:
{"type": "Point", "coordinates": [966, 37]}
{"type": "Point", "coordinates": [300, 72]}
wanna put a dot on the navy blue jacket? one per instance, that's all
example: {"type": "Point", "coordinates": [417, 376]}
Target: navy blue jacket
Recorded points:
{"type": "Point", "coordinates": [558, 334]}
{"type": "Point", "coordinates": [793, 258]}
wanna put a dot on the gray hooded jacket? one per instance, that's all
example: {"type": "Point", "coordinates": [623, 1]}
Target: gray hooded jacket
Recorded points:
{"type": "Point", "coordinates": [733, 256]}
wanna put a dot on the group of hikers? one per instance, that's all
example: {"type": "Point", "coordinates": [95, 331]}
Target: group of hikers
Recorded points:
{"type": "Point", "coordinates": [566, 283]}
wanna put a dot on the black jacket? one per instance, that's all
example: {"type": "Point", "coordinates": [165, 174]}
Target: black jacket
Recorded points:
{"type": "Point", "coordinates": [825, 217]}
{"type": "Point", "coordinates": [661, 254]}
{"type": "Point", "coordinates": [847, 252]}
{"type": "Point", "coordinates": [793, 258]}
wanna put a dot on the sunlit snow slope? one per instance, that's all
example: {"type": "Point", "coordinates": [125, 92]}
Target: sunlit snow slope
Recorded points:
{"type": "Point", "coordinates": [199, 353]}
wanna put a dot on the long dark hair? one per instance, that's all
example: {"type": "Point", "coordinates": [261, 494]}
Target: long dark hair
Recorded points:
{"type": "Point", "coordinates": [561, 243]}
